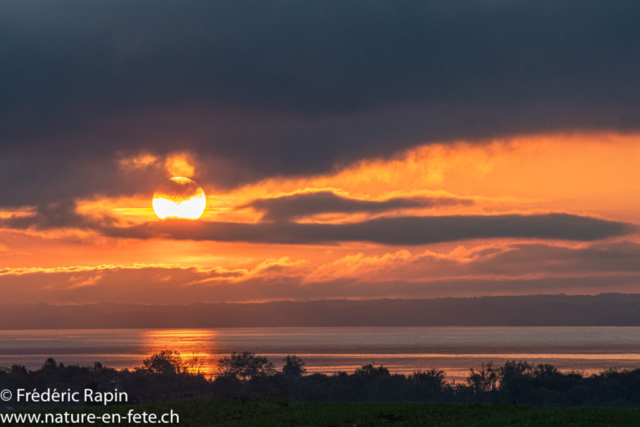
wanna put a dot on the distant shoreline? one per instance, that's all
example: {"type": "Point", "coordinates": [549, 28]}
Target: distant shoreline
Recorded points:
{"type": "Point", "coordinates": [536, 310]}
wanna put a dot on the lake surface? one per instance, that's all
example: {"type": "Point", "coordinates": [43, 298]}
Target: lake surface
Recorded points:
{"type": "Point", "coordinates": [401, 349]}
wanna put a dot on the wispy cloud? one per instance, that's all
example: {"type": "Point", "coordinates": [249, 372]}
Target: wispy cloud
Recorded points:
{"type": "Point", "coordinates": [487, 269]}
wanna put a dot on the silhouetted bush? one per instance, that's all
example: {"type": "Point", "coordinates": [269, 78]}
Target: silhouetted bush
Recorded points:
{"type": "Point", "coordinates": [166, 375]}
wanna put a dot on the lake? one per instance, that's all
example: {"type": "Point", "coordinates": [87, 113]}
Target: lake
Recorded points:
{"type": "Point", "coordinates": [327, 350]}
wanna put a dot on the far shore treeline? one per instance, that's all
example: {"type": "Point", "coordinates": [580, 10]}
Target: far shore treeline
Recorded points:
{"type": "Point", "coordinates": [246, 376]}
{"type": "Point", "coordinates": [532, 310]}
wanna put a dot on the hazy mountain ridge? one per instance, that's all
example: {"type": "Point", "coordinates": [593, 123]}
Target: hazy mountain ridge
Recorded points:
{"type": "Point", "coordinates": [535, 310]}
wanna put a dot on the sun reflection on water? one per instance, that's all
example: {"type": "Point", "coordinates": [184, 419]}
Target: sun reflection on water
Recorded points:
{"type": "Point", "coordinates": [190, 343]}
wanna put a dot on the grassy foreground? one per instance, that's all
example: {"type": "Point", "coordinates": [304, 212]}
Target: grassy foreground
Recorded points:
{"type": "Point", "coordinates": [205, 412]}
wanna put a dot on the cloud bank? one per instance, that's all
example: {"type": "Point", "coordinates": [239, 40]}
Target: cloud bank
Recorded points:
{"type": "Point", "coordinates": [389, 231]}
{"type": "Point", "coordinates": [259, 90]}
{"type": "Point", "coordinates": [489, 270]}
{"type": "Point", "coordinates": [291, 207]}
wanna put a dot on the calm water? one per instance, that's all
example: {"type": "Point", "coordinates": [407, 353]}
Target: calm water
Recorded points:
{"type": "Point", "coordinates": [402, 349]}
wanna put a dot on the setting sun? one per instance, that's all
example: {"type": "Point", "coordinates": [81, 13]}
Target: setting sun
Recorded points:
{"type": "Point", "coordinates": [179, 198]}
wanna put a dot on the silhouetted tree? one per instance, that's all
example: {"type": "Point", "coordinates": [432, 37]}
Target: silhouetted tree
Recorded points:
{"type": "Point", "coordinates": [371, 371]}
{"type": "Point", "coordinates": [18, 370]}
{"type": "Point", "coordinates": [50, 365]}
{"type": "Point", "coordinates": [514, 369]}
{"type": "Point", "coordinates": [541, 371]}
{"type": "Point", "coordinates": [194, 365]}
{"type": "Point", "coordinates": [484, 380]}
{"type": "Point", "coordinates": [245, 365]}
{"type": "Point", "coordinates": [294, 367]}
{"type": "Point", "coordinates": [165, 362]}
{"type": "Point", "coordinates": [433, 378]}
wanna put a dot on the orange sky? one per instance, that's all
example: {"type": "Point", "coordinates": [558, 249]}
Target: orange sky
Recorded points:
{"type": "Point", "coordinates": [587, 175]}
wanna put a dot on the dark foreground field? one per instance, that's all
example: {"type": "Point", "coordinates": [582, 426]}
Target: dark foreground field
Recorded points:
{"type": "Point", "coordinates": [206, 412]}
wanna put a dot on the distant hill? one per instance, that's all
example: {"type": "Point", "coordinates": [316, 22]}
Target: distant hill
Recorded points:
{"type": "Point", "coordinates": [536, 310]}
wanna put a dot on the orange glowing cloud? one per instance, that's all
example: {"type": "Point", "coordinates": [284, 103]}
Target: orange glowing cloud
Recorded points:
{"type": "Point", "coordinates": [180, 164]}
{"type": "Point", "coordinates": [590, 176]}
{"type": "Point", "coordinates": [486, 268]}
{"type": "Point", "coordinates": [583, 173]}
{"type": "Point", "coordinates": [594, 173]}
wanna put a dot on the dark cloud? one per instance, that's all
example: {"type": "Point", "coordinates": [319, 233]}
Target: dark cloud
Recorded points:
{"type": "Point", "coordinates": [308, 204]}
{"type": "Point", "coordinates": [57, 215]}
{"type": "Point", "coordinates": [260, 89]}
{"type": "Point", "coordinates": [405, 230]}
{"type": "Point", "coordinates": [621, 257]}
{"type": "Point", "coordinates": [388, 231]}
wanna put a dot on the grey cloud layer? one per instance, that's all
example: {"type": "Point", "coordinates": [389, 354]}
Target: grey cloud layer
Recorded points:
{"type": "Point", "coordinates": [278, 226]}
{"type": "Point", "coordinates": [261, 89]}
{"type": "Point", "coordinates": [389, 231]}
{"type": "Point", "coordinates": [322, 202]}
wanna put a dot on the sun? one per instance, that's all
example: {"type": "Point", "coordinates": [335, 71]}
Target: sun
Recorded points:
{"type": "Point", "coordinates": [179, 197]}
